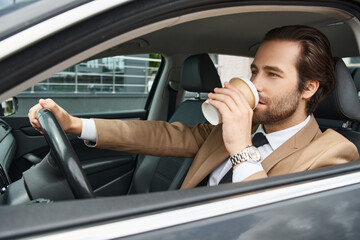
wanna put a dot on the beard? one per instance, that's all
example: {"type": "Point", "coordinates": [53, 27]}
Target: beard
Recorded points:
{"type": "Point", "coordinates": [279, 108]}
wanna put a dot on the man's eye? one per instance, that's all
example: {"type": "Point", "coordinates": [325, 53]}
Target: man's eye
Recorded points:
{"type": "Point", "coordinates": [273, 74]}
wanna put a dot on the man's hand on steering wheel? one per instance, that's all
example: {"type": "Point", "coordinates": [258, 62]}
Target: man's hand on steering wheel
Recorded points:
{"type": "Point", "coordinates": [69, 124]}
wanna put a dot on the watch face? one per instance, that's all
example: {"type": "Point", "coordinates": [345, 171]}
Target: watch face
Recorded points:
{"type": "Point", "coordinates": [254, 154]}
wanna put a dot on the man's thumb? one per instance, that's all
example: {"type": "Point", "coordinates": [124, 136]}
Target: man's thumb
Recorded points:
{"type": "Point", "coordinates": [42, 103]}
{"type": "Point", "coordinates": [47, 104]}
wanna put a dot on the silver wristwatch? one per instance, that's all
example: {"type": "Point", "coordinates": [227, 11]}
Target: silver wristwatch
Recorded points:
{"type": "Point", "coordinates": [249, 154]}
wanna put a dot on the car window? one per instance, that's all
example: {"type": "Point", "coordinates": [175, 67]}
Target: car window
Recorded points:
{"type": "Point", "coordinates": [116, 83]}
{"type": "Point", "coordinates": [228, 66]}
{"type": "Point", "coordinates": [11, 5]}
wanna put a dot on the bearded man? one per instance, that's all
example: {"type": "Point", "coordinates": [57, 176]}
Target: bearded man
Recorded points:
{"type": "Point", "coordinates": [292, 71]}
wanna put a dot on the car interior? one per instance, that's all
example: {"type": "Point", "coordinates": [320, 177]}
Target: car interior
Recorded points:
{"type": "Point", "coordinates": [185, 44]}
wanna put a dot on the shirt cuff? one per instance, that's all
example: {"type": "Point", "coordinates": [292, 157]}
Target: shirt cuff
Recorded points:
{"type": "Point", "coordinates": [245, 170]}
{"type": "Point", "coordinates": [88, 131]}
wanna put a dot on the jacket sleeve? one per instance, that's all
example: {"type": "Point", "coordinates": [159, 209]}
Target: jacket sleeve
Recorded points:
{"type": "Point", "coordinates": [156, 138]}
{"type": "Point", "coordinates": [335, 152]}
{"type": "Point", "coordinates": [328, 150]}
{"type": "Point", "coordinates": [258, 175]}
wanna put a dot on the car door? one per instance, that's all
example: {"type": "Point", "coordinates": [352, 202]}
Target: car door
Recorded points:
{"type": "Point", "coordinates": [115, 87]}
{"type": "Point", "coordinates": [265, 206]}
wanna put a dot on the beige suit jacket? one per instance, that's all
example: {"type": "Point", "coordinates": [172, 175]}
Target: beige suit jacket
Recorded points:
{"type": "Point", "coordinates": [308, 149]}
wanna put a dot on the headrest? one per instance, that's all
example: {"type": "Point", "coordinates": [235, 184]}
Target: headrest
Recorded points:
{"type": "Point", "coordinates": [199, 74]}
{"type": "Point", "coordinates": [356, 76]}
{"type": "Point", "coordinates": [343, 102]}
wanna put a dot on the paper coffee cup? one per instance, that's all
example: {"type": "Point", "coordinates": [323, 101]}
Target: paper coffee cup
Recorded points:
{"type": "Point", "coordinates": [245, 86]}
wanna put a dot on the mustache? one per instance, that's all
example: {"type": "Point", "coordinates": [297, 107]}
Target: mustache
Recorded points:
{"type": "Point", "coordinates": [264, 99]}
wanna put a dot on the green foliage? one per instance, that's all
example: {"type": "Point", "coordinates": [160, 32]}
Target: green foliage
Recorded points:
{"type": "Point", "coordinates": [154, 64]}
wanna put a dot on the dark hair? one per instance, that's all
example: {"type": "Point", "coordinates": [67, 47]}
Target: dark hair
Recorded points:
{"type": "Point", "coordinates": [315, 59]}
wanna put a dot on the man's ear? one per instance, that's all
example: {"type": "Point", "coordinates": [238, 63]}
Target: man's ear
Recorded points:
{"type": "Point", "coordinates": [311, 86]}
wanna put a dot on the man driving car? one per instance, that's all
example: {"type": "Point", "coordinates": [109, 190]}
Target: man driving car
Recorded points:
{"type": "Point", "coordinates": [292, 71]}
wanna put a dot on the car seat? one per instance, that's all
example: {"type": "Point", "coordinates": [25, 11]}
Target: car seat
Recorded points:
{"type": "Point", "coordinates": [356, 77]}
{"type": "Point", "coordinates": [341, 105]}
{"type": "Point", "coordinates": [167, 173]}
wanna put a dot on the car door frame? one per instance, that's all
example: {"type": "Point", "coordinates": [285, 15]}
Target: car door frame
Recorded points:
{"type": "Point", "coordinates": [31, 220]}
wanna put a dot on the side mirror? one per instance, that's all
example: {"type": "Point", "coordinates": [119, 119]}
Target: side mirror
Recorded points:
{"type": "Point", "coordinates": [9, 107]}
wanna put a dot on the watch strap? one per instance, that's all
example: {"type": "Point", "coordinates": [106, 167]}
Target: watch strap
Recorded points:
{"type": "Point", "coordinates": [244, 156]}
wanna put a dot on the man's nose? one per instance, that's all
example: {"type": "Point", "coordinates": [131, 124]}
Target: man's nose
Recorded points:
{"type": "Point", "coordinates": [256, 80]}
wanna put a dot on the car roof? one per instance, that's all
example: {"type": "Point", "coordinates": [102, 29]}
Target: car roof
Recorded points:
{"type": "Point", "coordinates": [241, 33]}
{"type": "Point", "coordinates": [245, 27]}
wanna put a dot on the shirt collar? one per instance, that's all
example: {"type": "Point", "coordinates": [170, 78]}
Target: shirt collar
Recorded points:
{"type": "Point", "coordinates": [276, 139]}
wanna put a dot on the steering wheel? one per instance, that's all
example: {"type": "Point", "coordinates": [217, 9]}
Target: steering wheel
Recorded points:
{"type": "Point", "coordinates": [64, 155]}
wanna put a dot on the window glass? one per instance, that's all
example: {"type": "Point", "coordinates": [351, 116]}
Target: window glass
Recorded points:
{"type": "Point", "coordinates": [228, 66]}
{"type": "Point", "coordinates": [7, 6]}
{"type": "Point", "coordinates": [116, 83]}
{"type": "Point", "coordinates": [233, 66]}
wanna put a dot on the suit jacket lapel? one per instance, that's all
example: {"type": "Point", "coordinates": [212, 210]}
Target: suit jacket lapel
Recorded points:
{"type": "Point", "coordinates": [295, 143]}
{"type": "Point", "coordinates": [210, 156]}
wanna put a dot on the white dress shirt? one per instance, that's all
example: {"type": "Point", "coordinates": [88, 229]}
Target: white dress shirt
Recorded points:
{"type": "Point", "coordinates": [88, 131]}
{"type": "Point", "coordinates": [244, 170]}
